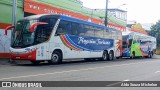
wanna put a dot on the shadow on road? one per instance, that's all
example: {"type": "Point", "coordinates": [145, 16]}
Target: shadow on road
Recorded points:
{"type": "Point", "coordinates": [72, 62]}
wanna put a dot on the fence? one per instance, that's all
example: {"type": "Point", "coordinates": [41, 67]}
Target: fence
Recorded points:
{"type": "Point", "coordinates": [158, 51]}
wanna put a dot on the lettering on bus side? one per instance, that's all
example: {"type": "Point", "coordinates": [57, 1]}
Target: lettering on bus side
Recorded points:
{"type": "Point", "coordinates": [92, 41]}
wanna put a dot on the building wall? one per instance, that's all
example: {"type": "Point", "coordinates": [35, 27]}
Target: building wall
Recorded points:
{"type": "Point", "coordinates": [71, 7]}
{"type": "Point", "coordinates": [6, 10]}
{"type": "Point", "coordinates": [6, 20]}
{"type": "Point", "coordinates": [77, 7]}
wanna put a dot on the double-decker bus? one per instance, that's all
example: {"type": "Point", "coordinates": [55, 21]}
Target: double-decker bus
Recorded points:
{"type": "Point", "coordinates": [54, 38]}
{"type": "Point", "coordinates": [138, 45]}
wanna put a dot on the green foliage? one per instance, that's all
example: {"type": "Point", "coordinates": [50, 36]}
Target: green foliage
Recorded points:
{"type": "Point", "coordinates": [155, 32]}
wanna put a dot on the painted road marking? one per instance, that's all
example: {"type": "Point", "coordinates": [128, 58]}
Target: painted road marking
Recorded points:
{"type": "Point", "coordinates": [61, 72]}
{"type": "Point", "coordinates": [157, 72]}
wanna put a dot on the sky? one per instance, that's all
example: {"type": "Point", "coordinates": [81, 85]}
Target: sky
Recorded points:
{"type": "Point", "coordinates": [142, 11]}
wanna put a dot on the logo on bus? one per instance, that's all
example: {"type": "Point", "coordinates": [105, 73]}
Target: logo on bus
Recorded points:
{"type": "Point", "coordinates": [92, 41]}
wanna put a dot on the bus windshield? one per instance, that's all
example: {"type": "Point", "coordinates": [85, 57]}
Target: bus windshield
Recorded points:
{"type": "Point", "coordinates": [124, 41]}
{"type": "Point", "coordinates": [22, 37]}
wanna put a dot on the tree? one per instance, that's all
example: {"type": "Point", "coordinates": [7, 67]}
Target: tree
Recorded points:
{"type": "Point", "coordinates": [155, 32]}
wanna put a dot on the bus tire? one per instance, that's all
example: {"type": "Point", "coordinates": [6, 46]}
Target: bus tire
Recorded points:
{"type": "Point", "coordinates": [87, 59]}
{"type": "Point", "coordinates": [105, 56]}
{"type": "Point", "coordinates": [56, 58]}
{"type": "Point", "coordinates": [133, 55]}
{"type": "Point", "coordinates": [149, 55]}
{"type": "Point", "coordinates": [111, 55]}
{"type": "Point", "coordinates": [35, 62]}
{"type": "Point", "coordinates": [117, 57]}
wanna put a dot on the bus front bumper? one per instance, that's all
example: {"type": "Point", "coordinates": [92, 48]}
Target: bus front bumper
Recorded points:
{"type": "Point", "coordinates": [31, 56]}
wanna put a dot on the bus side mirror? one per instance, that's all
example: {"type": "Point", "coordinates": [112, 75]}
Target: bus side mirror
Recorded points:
{"type": "Point", "coordinates": [32, 27]}
{"type": "Point", "coordinates": [7, 28]}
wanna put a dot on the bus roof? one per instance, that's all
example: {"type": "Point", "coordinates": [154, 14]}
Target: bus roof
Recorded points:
{"type": "Point", "coordinates": [68, 19]}
{"type": "Point", "coordinates": [138, 34]}
{"type": "Point", "coordinates": [85, 22]}
{"type": "Point", "coordinates": [80, 21]}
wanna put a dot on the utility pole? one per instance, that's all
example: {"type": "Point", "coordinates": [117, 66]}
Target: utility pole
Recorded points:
{"type": "Point", "coordinates": [14, 12]}
{"type": "Point", "coordinates": [106, 15]}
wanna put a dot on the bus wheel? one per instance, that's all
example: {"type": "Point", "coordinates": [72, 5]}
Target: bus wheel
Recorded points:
{"type": "Point", "coordinates": [117, 57]}
{"type": "Point", "coordinates": [87, 59]}
{"type": "Point", "coordinates": [35, 62]}
{"type": "Point", "coordinates": [56, 58]}
{"type": "Point", "coordinates": [105, 56]}
{"type": "Point", "coordinates": [149, 55]}
{"type": "Point", "coordinates": [133, 55]}
{"type": "Point", "coordinates": [111, 55]}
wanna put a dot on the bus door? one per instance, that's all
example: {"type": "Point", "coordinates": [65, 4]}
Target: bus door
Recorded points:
{"type": "Point", "coordinates": [135, 47]}
{"type": "Point", "coordinates": [43, 37]}
{"type": "Point", "coordinates": [43, 51]}
{"type": "Point", "coordinates": [65, 40]}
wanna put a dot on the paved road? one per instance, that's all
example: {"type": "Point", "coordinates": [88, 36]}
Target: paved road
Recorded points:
{"type": "Point", "coordinates": [118, 70]}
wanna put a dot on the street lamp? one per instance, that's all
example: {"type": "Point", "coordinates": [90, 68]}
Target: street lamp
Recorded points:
{"type": "Point", "coordinates": [106, 14]}
{"type": "Point", "coordinates": [121, 5]}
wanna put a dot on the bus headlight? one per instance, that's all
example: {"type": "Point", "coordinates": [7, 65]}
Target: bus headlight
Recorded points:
{"type": "Point", "coordinates": [30, 50]}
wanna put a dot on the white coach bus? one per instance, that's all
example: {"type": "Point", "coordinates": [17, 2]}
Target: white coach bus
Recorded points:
{"type": "Point", "coordinates": [54, 38]}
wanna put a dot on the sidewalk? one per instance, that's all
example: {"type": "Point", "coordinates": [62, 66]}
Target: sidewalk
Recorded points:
{"type": "Point", "coordinates": [4, 61]}
{"type": "Point", "coordinates": [156, 56]}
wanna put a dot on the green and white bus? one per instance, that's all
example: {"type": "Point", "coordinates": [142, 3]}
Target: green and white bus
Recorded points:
{"type": "Point", "coordinates": [138, 45]}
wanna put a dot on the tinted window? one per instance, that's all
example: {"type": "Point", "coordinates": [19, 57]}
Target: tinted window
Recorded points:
{"type": "Point", "coordinates": [106, 34]}
{"type": "Point", "coordinates": [64, 27]}
{"type": "Point", "coordinates": [89, 30]}
{"type": "Point", "coordinates": [43, 32]}
{"type": "Point", "coordinates": [99, 32]}
{"type": "Point", "coordinates": [76, 28]}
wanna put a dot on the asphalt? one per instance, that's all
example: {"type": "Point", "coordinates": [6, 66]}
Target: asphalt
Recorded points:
{"type": "Point", "coordinates": [141, 69]}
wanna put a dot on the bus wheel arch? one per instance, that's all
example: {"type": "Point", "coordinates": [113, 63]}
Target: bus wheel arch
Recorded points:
{"type": "Point", "coordinates": [111, 55]}
{"type": "Point", "coordinates": [56, 57]}
{"type": "Point", "coordinates": [133, 55]}
{"type": "Point", "coordinates": [150, 54]}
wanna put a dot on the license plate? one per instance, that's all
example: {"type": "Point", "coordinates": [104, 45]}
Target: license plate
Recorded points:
{"type": "Point", "coordinates": [17, 57]}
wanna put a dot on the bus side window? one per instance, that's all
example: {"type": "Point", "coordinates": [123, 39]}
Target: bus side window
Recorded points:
{"type": "Point", "coordinates": [98, 32]}
{"type": "Point", "coordinates": [59, 31]}
{"type": "Point", "coordinates": [130, 42]}
{"type": "Point", "coordinates": [134, 41]}
{"type": "Point", "coordinates": [43, 32]}
{"type": "Point", "coordinates": [63, 28]}
{"type": "Point", "coordinates": [75, 28]}
{"type": "Point", "coordinates": [89, 31]}
{"type": "Point", "coordinates": [106, 33]}
{"type": "Point", "coordinates": [81, 30]}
